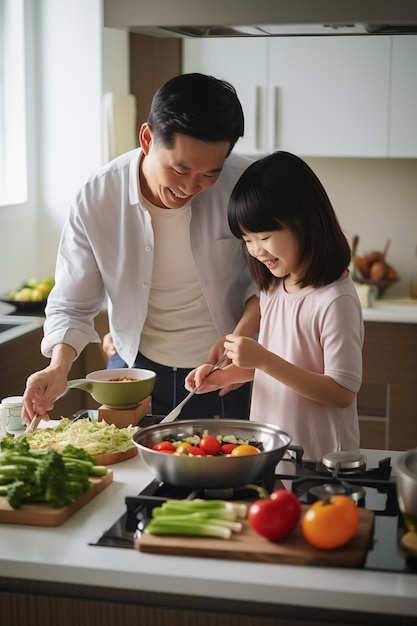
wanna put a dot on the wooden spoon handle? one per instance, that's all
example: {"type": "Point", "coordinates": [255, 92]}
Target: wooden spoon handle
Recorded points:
{"type": "Point", "coordinates": [387, 245]}
{"type": "Point", "coordinates": [355, 242]}
{"type": "Point", "coordinates": [33, 426]}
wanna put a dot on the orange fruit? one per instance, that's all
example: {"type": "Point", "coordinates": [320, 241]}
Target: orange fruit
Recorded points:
{"type": "Point", "coordinates": [44, 288]}
{"type": "Point", "coordinates": [245, 449]}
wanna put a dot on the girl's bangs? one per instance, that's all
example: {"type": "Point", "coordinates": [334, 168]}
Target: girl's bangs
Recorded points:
{"type": "Point", "coordinates": [251, 214]}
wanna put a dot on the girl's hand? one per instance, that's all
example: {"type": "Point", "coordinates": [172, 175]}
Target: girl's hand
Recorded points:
{"type": "Point", "coordinates": [199, 378]}
{"type": "Point", "coordinates": [243, 351]}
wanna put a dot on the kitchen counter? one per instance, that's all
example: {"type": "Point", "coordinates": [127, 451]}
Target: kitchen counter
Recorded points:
{"type": "Point", "coordinates": [13, 327]}
{"type": "Point", "coordinates": [63, 554]}
{"type": "Point", "coordinates": [402, 311]}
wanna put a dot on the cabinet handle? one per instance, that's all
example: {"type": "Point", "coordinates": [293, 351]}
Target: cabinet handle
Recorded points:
{"type": "Point", "coordinates": [258, 118]}
{"type": "Point", "coordinates": [275, 109]}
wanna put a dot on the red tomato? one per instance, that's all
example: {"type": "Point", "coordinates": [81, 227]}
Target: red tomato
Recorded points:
{"type": "Point", "coordinates": [210, 445]}
{"type": "Point", "coordinates": [164, 446]}
{"type": "Point", "coordinates": [331, 523]}
{"type": "Point", "coordinates": [276, 517]}
{"type": "Point", "coordinates": [196, 451]}
{"type": "Point", "coordinates": [228, 447]}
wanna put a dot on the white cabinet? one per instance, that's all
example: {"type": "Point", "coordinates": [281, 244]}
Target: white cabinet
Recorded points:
{"type": "Point", "coordinates": [319, 96]}
{"type": "Point", "coordinates": [332, 95]}
{"type": "Point", "coordinates": [403, 102]}
{"type": "Point", "coordinates": [242, 62]}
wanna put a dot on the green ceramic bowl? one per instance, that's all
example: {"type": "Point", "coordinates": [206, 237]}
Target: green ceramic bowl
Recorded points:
{"type": "Point", "coordinates": [111, 388]}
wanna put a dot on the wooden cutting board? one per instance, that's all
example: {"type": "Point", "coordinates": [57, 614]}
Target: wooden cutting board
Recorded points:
{"type": "Point", "coordinates": [112, 458]}
{"type": "Point", "coordinates": [248, 546]}
{"type": "Point", "coordinates": [41, 514]}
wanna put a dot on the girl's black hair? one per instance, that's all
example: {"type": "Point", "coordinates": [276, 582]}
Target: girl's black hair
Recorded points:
{"type": "Point", "coordinates": [197, 105]}
{"type": "Point", "coordinates": [282, 191]}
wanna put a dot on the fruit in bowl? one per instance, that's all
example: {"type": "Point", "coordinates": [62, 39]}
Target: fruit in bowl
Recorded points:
{"type": "Point", "coordinates": [372, 268]}
{"type": "Point", "coordinates": [31, 294]}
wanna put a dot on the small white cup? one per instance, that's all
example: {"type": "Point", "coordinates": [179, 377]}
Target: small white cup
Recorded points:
{"type": "Point", "coordinates": [11, 414]}
{"type": "Point", "coordinates": [4, 418]}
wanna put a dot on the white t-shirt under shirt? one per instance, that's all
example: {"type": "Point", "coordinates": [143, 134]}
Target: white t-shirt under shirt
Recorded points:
{"type": "Point", "coordinates": [177, 312]}
{"type": "Point", "coordinates": [320, 330]}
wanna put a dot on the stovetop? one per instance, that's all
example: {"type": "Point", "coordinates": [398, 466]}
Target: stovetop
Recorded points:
{"type": "Point", "coordinates": [372, 488]}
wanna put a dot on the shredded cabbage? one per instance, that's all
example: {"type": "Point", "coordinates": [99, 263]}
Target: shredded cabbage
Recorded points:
{"type": "Point", "coordinates": [95, 437]}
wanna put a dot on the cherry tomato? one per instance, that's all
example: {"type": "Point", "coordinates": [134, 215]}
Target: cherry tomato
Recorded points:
{"type": "Point", "coordinates": [228, 447]}
{"type": "Point", "coordinates": [164, 446]}
{"type": "Point", "coordinates": [245, 449]}
{"type": "Point", "coordinates": [331, 523]}
{"type": "Point", "coordinates": [196, 451]}
{"type": "Point", "coordinates": [275, 517]}
{"type": "Point", "coordinates": [210, 445]}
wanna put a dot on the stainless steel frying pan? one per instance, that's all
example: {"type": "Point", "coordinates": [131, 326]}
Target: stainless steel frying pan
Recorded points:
{"type": "Point", "coordinates": [212, 472]}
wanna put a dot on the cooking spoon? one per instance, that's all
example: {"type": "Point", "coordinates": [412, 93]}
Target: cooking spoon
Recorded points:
{"type": "Point", "coordinates": [177, 410]}
{"type": "Point", "coordinates": [33, 426]}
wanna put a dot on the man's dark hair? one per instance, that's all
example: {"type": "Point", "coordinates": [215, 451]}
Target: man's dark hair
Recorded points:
{"type": "Point", "coordinates": [200, 106]}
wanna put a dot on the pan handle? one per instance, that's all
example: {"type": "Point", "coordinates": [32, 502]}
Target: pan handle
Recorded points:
{"type": "Point", "coordinates": [298, 453]}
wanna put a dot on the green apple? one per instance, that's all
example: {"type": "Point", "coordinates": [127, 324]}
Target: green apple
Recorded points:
{"type": "Point", "coordinates": [32, 282]}
{"type": "Point", "coordinates": [49, 280]}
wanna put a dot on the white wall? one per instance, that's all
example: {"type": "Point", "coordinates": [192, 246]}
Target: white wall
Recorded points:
{"type": "Point", "coordinates": [70, 93]}
{"type": "Point", "coordinates": [377, 200]}
{"type": "Point", "coordinates": [18, 223]}
{"type": "Point", "coordinates": [65, 86]}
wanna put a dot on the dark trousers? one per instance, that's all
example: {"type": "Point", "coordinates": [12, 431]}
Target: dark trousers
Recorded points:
{"type": "Point", "coordinates": [169, 390]}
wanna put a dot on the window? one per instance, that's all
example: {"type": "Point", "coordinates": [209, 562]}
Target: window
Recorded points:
{"type": "Point", "coordinates": [13, 166]}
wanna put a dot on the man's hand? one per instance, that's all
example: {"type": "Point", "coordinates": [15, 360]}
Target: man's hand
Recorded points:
{"type": "Point", "coordinates": [45, 386]}
{"type": "Point", "coordinates": [42, 389]}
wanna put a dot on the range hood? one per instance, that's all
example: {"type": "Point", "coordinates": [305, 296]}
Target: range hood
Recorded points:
{"type": "Point", "coordinates": [262, 18]}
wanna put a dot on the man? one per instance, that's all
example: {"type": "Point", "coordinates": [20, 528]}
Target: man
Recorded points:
{"type": "Point", "coordinates": [149, 232]}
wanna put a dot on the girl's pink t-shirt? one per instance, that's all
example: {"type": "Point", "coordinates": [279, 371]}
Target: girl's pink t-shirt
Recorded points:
{"type": "Point", "coordinates": [320, 330]}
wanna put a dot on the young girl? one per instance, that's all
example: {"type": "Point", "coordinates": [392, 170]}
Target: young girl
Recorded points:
{"type": "Point", "coordinates": [307, 364]}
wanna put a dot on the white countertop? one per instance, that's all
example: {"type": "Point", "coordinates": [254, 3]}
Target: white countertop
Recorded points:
{"type": "Point", "coordinates": [62, 554]}
{"type": "Point", "coordinates": [402, 311]}
{"type": "Point", "coordinates": [15, 326]}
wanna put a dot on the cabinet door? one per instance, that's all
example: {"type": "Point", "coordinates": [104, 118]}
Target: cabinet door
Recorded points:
{"type": "Point", "coordinates": [403, 128]}
{"type": "Point", "coordinates": [332, 95]}
{"type": "Point", "coordinates": [241, 62]}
